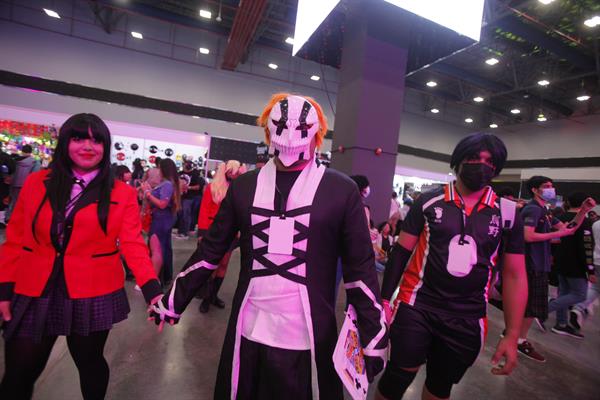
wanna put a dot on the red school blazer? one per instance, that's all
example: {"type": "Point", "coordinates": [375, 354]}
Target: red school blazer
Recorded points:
{"type": "Point", "coordinates": [208, 210]}
{"type": "Point", "coordinates": [92, 265]}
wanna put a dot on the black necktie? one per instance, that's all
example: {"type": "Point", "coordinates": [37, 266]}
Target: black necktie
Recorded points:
{"type": "Point", "coordinates": [80, 182]}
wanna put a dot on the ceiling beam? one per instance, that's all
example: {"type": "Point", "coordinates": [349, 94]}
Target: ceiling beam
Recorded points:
{"type": "Point", "coordinates": [515, 25]}
{"type": "Point", "coordinates": [494, 87]}
{"type": "Point", "coordinates": [246, 22]}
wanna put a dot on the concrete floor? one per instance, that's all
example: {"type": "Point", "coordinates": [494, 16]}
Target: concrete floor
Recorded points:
{"type": "Point", "coordinates": [180, 363]}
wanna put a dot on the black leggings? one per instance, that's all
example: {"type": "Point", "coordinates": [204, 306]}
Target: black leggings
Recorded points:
{"type": "Point", "coordinates": [25, 360]}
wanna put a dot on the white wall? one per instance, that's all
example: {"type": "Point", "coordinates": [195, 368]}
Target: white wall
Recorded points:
{"type": "Point", "coordinates": [566, 138]}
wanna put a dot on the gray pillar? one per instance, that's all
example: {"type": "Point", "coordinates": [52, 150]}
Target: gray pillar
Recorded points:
{"type": "Point", "coordinates": [369, 106]}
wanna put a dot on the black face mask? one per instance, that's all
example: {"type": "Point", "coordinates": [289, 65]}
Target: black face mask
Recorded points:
{"type": "Point", "coordinates": [476, 176]}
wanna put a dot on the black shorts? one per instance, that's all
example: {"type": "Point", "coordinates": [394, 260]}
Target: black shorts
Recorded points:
{"type": "Point", "coordinates": [446, 343]}
{"type": "Point", "coordinates": [537, 301]}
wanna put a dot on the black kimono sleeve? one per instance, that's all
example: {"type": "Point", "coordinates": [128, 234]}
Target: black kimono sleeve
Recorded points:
{"type": "Point", "coordinates": [360, 279]}
{"type": "Point", "coordinates": [206, 258]}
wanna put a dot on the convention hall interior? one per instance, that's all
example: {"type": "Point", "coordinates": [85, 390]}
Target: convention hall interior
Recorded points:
{"type": "Point", "coordinates": [400, 84]}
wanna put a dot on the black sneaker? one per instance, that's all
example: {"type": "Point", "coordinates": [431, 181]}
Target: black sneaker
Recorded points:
{"type": "Point", "coordinates": [567, 331]}
{"type": "Point", "coordinates": [541, 325]}
{"type": "Point", "coordinates": [576, 318]}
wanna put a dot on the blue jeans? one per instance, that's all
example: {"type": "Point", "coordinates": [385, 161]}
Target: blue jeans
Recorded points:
{"type": "Point", "coordinates": [570, 292]}
{"type": "Point", "coordinates": [593, 292]}
{"type": "Point", "coordinates": [185, 217]}
{"type": "Point", "coordinates": [196, 201]}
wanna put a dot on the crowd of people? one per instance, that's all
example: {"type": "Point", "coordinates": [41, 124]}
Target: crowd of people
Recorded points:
{"type": "Point", "coordinates": [301, 229]}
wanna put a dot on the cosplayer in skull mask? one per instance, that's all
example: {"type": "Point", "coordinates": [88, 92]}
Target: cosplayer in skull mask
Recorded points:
{"type": "Point", "coordinates": [295, 218]}
{"type": "Point", "coordinates": [292, 124]}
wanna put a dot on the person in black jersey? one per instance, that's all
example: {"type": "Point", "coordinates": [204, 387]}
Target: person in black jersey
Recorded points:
{"type": "Point", "coordinates": [449, 245]}
{"type": "Point", "coordinates": [296, 218]}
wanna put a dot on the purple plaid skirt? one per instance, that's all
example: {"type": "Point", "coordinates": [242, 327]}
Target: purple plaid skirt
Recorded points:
{"type": "Point", "coordinates": [58, 315]}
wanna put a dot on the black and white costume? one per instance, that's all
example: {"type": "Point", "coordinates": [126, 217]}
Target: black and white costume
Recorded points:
{"type": "Point", "coordinates": [289, 299]}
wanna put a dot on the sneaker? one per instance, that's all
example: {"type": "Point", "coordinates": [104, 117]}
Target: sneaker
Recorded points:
{"type": "Point", "coordinates": [567, 331]}
{"type": "Point", "coordinates": [138, 288]}
{"type": "Point", "coordinates": [541, 325]}
{"type": "Point", "coordinates": [576, 318]}
{"type": "Point", "coordinates": [527, 350]}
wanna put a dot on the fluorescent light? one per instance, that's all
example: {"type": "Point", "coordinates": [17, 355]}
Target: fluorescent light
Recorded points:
{"type": "Point", "coordinates": [309, 16]}
{"type": "Point", "coordinates": [515, 111]}
{"type": "Point", "coordinates": [431, 83]}
{"type": "Point", "coordinates": [541, 118]}
{"type": "Point", "coordinates": [478, 99]}
{"type": "Point", "coordinates": [469, 120]}
{"type": "Point", "coordinates": [51, 13]}
{"type": "Point", "coordinates": [493, 126]}
{"type": "Point", "coordinates": [315, 78]}
{"type": "Point", "coordinates": [273, 66]}
{"type": "Point", "coordinates": [462, 16]}
{"type": "Point", "coordinates": [290, 40]}
{"type": "Point", "coordinates": [204, 50]}
{"type": "Point", "coordinates": [546, 2]}
{"type": "Point", "coordinates": [435, 110]}
{"type": "Point", "coordinates": [543, 82]}
{"type": "Point", "coordinates": [592, 22]}
{"type": "Point", "coordinates": [205, 14]}
{"type": "Point", "coordinates": [492, 61]}
{"type": "Point", "coordinates": [584, 97]}
{"type": "Point", "coordinates": [137, 35]}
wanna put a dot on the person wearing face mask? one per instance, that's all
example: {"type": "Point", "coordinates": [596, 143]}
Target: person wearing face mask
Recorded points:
{"type": "Point", "coordinates": [540, 228]}
{"type": "Point", "coordinates": [443, 262]}
{"type": "Point", "coordinates": [296, 218]}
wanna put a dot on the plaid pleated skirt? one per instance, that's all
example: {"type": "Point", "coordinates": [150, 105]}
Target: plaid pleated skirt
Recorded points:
{"type": "Point", "coordinates": [58, 315]}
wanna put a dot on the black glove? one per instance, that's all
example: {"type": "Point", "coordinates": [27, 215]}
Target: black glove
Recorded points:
{"type": "Point", "coordinates": [373, 366]}
{"type": "Point", "coordinates": [160, 313]}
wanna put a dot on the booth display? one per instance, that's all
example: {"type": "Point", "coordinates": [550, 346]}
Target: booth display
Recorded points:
{"type": "Point", "coordinates": [126, 149]}
{"type": "Point", "coordinates": [42, 138]}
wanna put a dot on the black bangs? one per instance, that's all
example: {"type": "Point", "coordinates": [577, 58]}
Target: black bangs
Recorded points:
{"type": "Point", "coordinates": [81, 129]}
{"type": "Point", "coordinates": [472, 145]}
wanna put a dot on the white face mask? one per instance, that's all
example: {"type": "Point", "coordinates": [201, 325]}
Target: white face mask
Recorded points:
{"type": "Point", "coordinates": [293, 123]}
{"type": "Point", "coordinates": [366, 192]}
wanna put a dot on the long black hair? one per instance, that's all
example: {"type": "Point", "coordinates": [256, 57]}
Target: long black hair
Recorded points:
{"type": "Point", "coordinates": [168, 169]}
{"type": "Point", "coordinates": [60, 178]}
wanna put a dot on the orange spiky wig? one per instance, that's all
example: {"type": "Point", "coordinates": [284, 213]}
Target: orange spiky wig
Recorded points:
{"type": "Point", "coordinates": [263, 120]}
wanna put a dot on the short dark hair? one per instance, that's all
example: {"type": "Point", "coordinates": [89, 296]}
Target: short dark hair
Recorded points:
{"type": "Point", "coordinates": [576, 199]}
{"type": "Point", "coordinates": [505, 192]}
{"type": "Point", "coordinates": [474, 144]}
{"type": "Point", "coordinates": [120, 171]}
{"type": "Point", "coordinates": [361, 181]}
{"type": "Point", "coordinates": [536, 181]}
{"type": "Point", "coordinates": [26, 149]}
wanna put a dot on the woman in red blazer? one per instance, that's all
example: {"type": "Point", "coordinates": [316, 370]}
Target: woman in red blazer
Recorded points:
{"type": "Point", "coordinates": [211, 202]}
{"type": "Point", "coordinates": [60, 267]}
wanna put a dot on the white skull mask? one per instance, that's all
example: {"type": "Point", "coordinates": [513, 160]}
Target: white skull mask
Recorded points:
{"type": "Point", "coordinates": [293, 123]}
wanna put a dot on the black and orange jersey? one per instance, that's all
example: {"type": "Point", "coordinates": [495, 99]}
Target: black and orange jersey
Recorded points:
{"type": "Point", "coordinates": [451, 266]}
